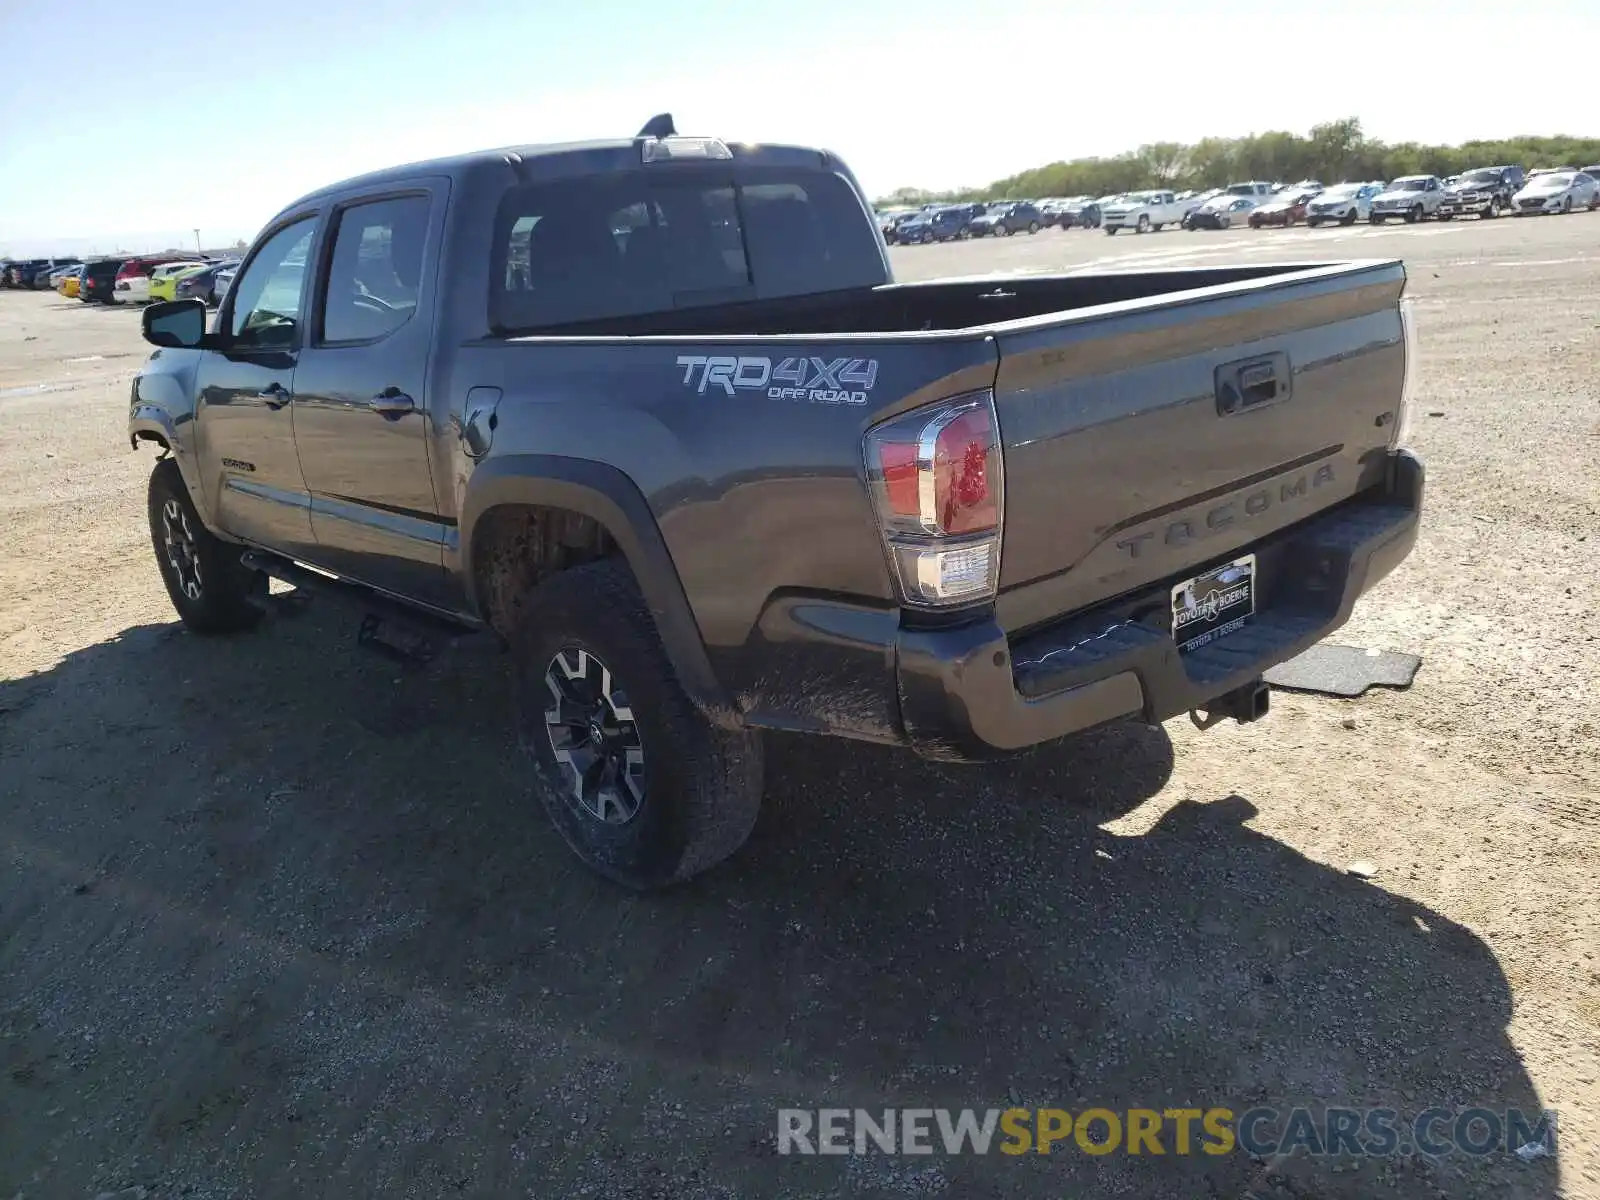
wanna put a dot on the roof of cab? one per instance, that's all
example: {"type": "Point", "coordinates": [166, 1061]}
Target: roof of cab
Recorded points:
{"type": "Point", "coordinates": [454, 166]}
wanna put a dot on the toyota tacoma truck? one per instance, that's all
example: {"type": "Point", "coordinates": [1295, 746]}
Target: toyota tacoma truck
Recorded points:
{"type": "Point", "coordinates": [652, 417]}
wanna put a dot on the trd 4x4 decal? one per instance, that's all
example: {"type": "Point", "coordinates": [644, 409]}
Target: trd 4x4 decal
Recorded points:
{"type": "Point", "coordinates": [818, 380]}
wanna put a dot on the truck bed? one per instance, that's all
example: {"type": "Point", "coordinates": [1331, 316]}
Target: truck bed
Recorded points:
{"type": "Point", "coordinates": [1152, 424]}
{"type": "Point", "coordinates": [943, 305]}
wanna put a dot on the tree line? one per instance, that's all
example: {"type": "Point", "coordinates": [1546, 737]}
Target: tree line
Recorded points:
{"type": "Point", "coordinates": [1332, 151]}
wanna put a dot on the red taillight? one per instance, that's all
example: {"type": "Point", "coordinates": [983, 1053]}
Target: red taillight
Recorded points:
{"type": "Point", "coordinates": [937, 478]}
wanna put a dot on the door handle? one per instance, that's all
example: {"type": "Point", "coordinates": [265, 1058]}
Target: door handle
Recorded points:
{"type": "Point", "coordinates": [275, 395]}
{"type": "Point", "coordinates": [1254, 383]}
{"type": "Point", "coordinates": [392, 403]}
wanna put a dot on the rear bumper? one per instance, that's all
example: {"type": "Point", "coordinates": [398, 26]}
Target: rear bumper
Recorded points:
{"type": "Point", "coordinates": [972, 692]}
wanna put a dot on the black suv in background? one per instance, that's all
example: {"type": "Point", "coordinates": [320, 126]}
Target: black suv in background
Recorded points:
{"type": "Point", "coordinates": [100, 280]}
{"type": "Point", "coordinates": [1486, 191]}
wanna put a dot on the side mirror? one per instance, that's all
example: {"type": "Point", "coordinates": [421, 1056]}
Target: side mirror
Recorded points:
{"type": "Point", "coordinates": [180, 324]}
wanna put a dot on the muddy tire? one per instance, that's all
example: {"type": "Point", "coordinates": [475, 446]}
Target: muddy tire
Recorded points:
{"type": "Point", "coordinates": [637, 781]}
{"type": "Point", "coordinates": [211, 589]}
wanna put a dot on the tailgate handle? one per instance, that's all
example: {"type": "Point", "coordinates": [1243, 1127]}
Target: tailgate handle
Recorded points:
{"type": "Point", "coordinates": [1253, 383]}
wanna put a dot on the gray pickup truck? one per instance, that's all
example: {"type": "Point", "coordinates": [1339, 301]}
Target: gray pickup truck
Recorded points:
{"type": "Point", "coordinates": [652, 413]}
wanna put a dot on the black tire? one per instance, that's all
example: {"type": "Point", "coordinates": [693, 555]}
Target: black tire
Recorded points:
{"type": "Point", "coordinates": [210, 588]}
{"type": "Point", "coordinates": [1349, 218]}
{"type": "Point", "coordinates": [701, 785]}
{"type": "Point", "coordinates": [1566, 205]}
{"type": "Point", "coordinates": [1376, 220]}
{"type": "Point", "coordinates": [1033, 227]}
{"type": "Point", "coordinates": [1413, 214]}
{"type": "Point", "coordinates": [1111, 231]}
{"type": "Point", "coordinates": [1492, 211]}
{"type": "Point", "coordinates": [1313, 222]}
{"type": "Point", "coordinates": [1143, 224]}
{"type": "Point", "coordinates": [1445, 216]}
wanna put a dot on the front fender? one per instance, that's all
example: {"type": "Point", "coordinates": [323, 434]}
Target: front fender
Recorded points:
{"type": "Point", "coordinates": [609, 497]}
{"type": "Point", "coordinates": [161, 408]}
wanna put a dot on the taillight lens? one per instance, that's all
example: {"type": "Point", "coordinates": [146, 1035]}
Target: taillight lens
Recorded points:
{"type": "Point", "coordinates": [937, 479]}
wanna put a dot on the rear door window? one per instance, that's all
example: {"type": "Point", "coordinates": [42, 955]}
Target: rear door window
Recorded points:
{"type": "Point", "coordinates": [639, 242]}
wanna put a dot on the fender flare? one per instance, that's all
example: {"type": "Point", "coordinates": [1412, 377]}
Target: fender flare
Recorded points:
{"type": "Point", "coordinates": [609, 497]}
{"type": "Point", "coordinates": [153, 422]}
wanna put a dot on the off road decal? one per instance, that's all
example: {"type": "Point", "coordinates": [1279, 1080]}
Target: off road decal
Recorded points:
{"type": "Point", "coordinates": [814, 380]}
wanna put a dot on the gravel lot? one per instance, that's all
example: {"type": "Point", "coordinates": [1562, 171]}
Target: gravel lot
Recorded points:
{"type": "Point", "coordinates": [277, 918]}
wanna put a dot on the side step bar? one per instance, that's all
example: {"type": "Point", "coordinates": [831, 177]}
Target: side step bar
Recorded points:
{"type": "Point", "coordinates": [388, 626]}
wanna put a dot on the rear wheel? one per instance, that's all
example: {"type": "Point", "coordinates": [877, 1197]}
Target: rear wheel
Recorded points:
{"type": "Point", "coordinates": [643, 788]}
{"type": "Point", "coordinates": [211, 589]}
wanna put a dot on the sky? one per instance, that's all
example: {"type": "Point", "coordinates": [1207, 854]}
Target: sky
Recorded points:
{"type": "Point", "coordinates": [216, 116]}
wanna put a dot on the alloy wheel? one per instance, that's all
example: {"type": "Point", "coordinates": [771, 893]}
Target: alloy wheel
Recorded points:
{"type": "Point", "coordinates": [182, 556]}
{"type": "Point", "coordinates": [594, 737]}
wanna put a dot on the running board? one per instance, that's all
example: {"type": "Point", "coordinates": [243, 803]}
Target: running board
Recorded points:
{"type": "Point", "coordinates": [388, 626]}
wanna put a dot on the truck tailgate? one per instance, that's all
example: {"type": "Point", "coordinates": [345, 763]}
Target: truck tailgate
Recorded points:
{"type": "Point", "coordinates": [1149, 437]}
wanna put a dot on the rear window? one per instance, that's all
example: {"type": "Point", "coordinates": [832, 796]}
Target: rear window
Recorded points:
{"type": "Point", "coordinates": [625, 245]}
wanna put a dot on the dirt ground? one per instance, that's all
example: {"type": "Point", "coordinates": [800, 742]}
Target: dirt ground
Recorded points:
{"type": "Point", "coordinates": [277, 918]}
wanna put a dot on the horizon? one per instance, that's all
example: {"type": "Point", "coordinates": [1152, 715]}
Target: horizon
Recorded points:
{"type": "Point", "coordinates": [847, 76]}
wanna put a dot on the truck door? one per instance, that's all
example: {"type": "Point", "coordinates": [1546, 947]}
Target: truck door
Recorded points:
{"type": "Point", "coordinates": [244, 415]}
{"type": "Point", "coordinates": [362, 421]}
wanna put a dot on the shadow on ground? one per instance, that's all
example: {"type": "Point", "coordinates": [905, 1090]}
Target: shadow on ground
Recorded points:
{"type": "Point", "coordinates": [280, 919]}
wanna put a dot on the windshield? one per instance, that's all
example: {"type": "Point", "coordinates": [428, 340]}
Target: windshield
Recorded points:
{"type": "Point", "coordinates": [1480, 177]}
{"type": "Point", "coordinates": [1241, 189]}
{"type": "Point", "coordinates": [1412, 183]}
{"type": "Point", "coordinates": [1342, 192]}
{"type": "Point", "coordinates": [1554, 181]}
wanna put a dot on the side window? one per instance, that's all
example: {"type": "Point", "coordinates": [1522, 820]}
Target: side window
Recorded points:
{"type": "Point", "coordinates": [267, 296]}
{"type": "Point", "coordinates": [376, 269]}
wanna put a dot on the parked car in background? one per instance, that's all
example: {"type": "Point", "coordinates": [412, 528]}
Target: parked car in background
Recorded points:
{"type": "Point", "coordinates": [1006, 218]}
{"type": "Point", "coordinates": [53, 280]}
{"type": "Point", "coordinates": [31, 273]}
{"type": "Point", "coordinates": [1410, 198]}
{"type": "Point", "coordinates": [100, 281]}
{"type": "Point", "coordinates": [1079, 212]}
{"type": "Point", "coordinates": [889, 221]}
{"type": "Point", "coordinates": [1144, 212]}
{"type": "Point", "coordinates": [222, 281]}
{"type": "Point", "coordinates": [1483, 191]}
{"type": "Point", "coordinates": [1592, 171]}
{"type": "Point", "coordinates": [1285, 208]}
{"type": "Point", "coordinates": [164, 279]}
{"type": "Point", "coordinates": [132, 284]}
{"type": "Point", "coordinates": [1342, 204]}
{"type": "Point", "coordinates": [1253, 187]}
{"type": "Point", "coordinates": [935, 225]}
{"type": "Point", "coordinates": [70, 283]}
{"type": "Point", "coordinates": [1558, 192]}
{"type": "Point", "coordinates": [202, 284]}
{"type": "Point", "coordinates": [1224, 212]}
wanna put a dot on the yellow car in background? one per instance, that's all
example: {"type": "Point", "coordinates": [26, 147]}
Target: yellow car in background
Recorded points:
{"type": "Point", "coordinates": [164, 279]}
{"type": "Point", "coordinates": [68, 286]}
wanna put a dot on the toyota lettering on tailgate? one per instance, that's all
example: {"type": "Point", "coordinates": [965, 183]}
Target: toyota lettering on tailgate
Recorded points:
{"type": "Point", "coordinates": [817, 380]}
